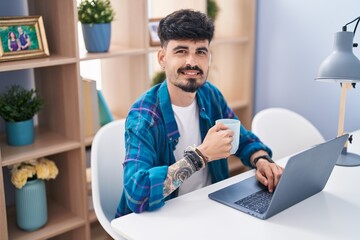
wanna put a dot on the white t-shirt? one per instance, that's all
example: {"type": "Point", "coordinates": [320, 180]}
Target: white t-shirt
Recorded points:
{"type": "Point", "coordinates": [187, 119]}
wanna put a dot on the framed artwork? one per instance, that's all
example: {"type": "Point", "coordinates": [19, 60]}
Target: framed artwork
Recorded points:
{"type": "Point", "coordinates": [153, 26]}
{"type": "Point", "coordinates": [22, 38]}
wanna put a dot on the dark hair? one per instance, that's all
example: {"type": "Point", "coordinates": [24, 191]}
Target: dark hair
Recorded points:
{"type": "Point", "coordinates": [11, 33]}
{"type": "Point", "coordinates": [185, 24]}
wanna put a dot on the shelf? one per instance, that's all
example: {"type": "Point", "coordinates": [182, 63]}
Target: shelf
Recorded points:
{"type": "Point", "coordinates": [114, 51]}
{"type": "Point", "coordinates": [98, 232]}
{"type": "Point", "coordinates": [60, 220]}
{"type": "Point", "coordinates": [46, 143]}
{"type": "Point", "coordinates": [88, 141]}
{"type": "Point", "coordinates": [53, 60]}
{"type": "Point", "coordinates": [92, 216]}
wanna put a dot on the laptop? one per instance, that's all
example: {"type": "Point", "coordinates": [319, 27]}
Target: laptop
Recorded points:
{"type": "Point", "coordinates": [306, 173]}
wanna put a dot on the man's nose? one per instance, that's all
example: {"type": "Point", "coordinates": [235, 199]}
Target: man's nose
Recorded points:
{"type": "Point", "coordinates": [191, 60]}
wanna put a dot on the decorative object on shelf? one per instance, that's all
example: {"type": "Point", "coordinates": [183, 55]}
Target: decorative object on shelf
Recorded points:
{"type": "Point", "coordinates": [18, 107]}
{"type": "Point", "coordinates": [343, 66]}
{"type": "Point", "coordinates": [212, 9]}
{"type": "Point", "coordinates": [159, 77]}
{"type": "Point", "coordinates": [30, 193]}
{"type": "Point", "coordinates": [91, 107]}
{"type": "Point", "coordinates": [22, 38]}
{"type": "Point", "coordinates": [96, 17]}
{"type": "Point", "coordinates": [105, 114]}
{"type": "Point", "coordinates": [153, 26]}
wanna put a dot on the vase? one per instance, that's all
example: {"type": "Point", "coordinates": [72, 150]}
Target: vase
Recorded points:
{"type": "Point", "coordinates": [31, 206]}
{"type": "Point", "coordinates": [97, 36]}
{"type": "Point", "coordinates": [20, 133]}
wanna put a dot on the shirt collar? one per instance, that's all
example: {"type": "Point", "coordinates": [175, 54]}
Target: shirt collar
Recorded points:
{"type": "Point", "coordinates": [168, 113]}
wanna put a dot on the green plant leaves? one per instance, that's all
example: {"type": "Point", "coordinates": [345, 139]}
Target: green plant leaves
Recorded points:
{"type": "Point", "coordinates": [95, 11]}
{"type": "Point", "coordinates": [18, 104]}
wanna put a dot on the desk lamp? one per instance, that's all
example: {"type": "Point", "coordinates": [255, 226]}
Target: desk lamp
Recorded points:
{"type": "Point", "coordinates": [344, 67]}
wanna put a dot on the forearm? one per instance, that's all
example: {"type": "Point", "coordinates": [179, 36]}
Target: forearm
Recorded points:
{"type": "Point", "coordinates": [257, 154]}
{"type": "Point", "coordinates": [249, 147]}
{"type": "Point", "coordinates": [177, 174]}
{"type": "Point", "coordinates": [182, 170]}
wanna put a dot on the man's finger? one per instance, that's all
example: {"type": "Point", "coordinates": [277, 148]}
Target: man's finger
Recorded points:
{"type": "Point", "coordinates": [220, 126]}
{"type": "Point", "coordinates": [261, 178]}
{"type": "Point", "coordinates": [270, 178]}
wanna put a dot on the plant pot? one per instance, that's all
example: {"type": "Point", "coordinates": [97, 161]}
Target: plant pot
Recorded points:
{"type": "Point", "coordinates": [97, 36]}
{"type": "Point", "coordinates": [31, 206]}
{"type": "Point", "coordinates": [20, 133]}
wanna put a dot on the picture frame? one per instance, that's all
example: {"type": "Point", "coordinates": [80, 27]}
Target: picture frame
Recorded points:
{"type": "Point", "coordinates": [22, 38]}
{"type": "Point", "coordinates": [153, 26]}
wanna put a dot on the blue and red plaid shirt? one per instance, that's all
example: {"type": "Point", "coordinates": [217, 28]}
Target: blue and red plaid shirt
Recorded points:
{"type": "Point", "coordinates": [151, 137]}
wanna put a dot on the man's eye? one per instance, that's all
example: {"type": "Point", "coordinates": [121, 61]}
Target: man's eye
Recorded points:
{"type": "Point", "coordinates": [202, 52]}
{"type": "Point", "coordinates": [180, 51]}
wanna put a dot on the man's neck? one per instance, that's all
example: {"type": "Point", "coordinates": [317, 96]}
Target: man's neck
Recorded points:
{"type": "Point", "coordinates": [179, 97]}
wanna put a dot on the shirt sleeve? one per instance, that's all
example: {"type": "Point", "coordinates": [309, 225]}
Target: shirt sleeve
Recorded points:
{"type": "Point", "coordinates": [143, 175]}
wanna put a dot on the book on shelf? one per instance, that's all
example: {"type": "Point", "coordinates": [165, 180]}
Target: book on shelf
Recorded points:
{"type": "Point", "coordinates": [88, 168]}
{"type": "Point", "coordinates": [104, 110]}
{"type": "Point", "coordinates": [91, 107]}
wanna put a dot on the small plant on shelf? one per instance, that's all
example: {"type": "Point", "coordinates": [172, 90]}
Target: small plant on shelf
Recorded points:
{"type": "Point", "coordinates": [18, 104]}
{"type": "Point", "coordinates": [212, 9]}
{"type": "Point", "coordinates": [95, 11]}
{"type": "Point", "coordinates": [96, 17]}
{"type": "Point", "coordinates": [159, 77]}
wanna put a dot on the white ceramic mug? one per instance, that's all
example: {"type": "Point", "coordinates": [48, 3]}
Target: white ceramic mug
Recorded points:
{"type": "Point", "coordinates": [234, 125]}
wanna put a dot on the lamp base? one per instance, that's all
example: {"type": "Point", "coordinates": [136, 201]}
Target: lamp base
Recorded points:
{"type": "Point", "coordinates": [347, 159]}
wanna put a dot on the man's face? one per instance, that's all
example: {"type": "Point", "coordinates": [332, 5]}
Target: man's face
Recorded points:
{"type": "Point", "coordinates": [20, 30]}
{"type": "Point", "coordinates": [186, 63]}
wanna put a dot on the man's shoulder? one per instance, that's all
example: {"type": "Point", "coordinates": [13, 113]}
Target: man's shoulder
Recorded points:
{"type": "Point", "coordinates": [147, 105]}
{"type": "Point", "coordinates": [209, 90]}
{"type": "Point", "coordinates": [209, 86]}
{"type": "Point", "coordinates": [148, 98]}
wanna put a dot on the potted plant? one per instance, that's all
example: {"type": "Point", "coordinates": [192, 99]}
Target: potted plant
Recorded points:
{"type": "Point", "coordinates": [212, 9]}
{"type": "Point", "coordinates": [96, 17]}
{"type": "Point", "coordinates": [30, 193]}
{"type": "Point", "coordinates": [158, 77]}
{"type": "Point", "coordinates": [18, 107]}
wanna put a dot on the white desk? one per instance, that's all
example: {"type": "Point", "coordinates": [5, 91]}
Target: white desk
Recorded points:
{"type": "Point", "coordinates": [333, 213]}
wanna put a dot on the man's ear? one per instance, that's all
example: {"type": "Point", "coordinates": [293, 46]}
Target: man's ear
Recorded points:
{"type": "Point", "coordinates": [161, 57]}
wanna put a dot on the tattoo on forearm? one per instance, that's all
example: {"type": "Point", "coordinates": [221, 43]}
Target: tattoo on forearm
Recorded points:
{"type": "Point", "coordinates": [177, 174]}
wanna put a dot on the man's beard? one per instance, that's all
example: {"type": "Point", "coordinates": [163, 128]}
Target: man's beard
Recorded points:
{"type": "Point", "coordinates": [191, 86]}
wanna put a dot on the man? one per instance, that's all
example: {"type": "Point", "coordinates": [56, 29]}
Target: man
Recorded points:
{"type": "Point", "coordinates": [173, 145]}
{"type": "Point", "coordinates": [24, 39]}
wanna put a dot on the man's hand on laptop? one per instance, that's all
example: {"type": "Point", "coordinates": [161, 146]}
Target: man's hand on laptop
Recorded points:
{"type": "Point", "coordinates": [267, 172]}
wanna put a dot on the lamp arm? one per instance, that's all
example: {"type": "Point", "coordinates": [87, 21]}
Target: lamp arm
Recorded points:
{"type": "Point", "coordinates": [344, 87]}
{"type": "Point", "coordinates": [344, 28]}
{"type": "Point", "coordinates": [342, 110]}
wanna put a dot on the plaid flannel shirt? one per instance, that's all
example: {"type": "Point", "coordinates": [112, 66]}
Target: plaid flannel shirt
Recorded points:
{"type": "Point", "coordinates": [151, 136]}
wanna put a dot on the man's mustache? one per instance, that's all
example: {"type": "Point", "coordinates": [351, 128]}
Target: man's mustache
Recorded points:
{"type": "Point", "coordinates": [190, 68]}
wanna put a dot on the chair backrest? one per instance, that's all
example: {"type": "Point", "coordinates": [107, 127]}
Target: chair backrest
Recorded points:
{"type": "Point", "coordinates": [284, 131]}
{"type": "Point", "coordinates": [107, 156]}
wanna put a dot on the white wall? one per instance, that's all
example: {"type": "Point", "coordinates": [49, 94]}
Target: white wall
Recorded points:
{"type": "Point", "coordinates": [293, 38]}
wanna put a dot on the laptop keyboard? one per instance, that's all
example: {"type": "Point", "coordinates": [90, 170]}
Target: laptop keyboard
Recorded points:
{"type": "Point", "coordinates": [257, 202]}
